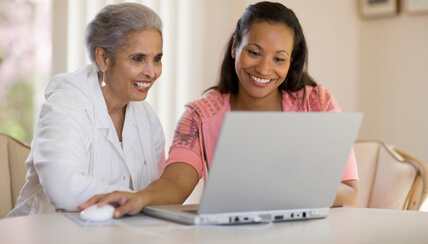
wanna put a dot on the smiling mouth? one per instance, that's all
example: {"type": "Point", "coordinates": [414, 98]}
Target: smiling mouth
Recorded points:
{"type": "Point", "coordinates": [260, 80]}
{"type": "Point", "coordinates": [142, 85]}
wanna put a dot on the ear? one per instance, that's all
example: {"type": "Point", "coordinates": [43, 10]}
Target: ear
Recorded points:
{"type": "Point", "coordinates": [101, 58]}
{"type": "Point", "coordinates": [233, 49]}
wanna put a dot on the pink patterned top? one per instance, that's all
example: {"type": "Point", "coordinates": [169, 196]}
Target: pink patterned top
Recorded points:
{"type": "Point", "coordinates": [200, 126]}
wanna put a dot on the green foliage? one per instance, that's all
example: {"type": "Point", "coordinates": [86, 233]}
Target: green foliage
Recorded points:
{"type": "Point", "coordinates": [16, 112]}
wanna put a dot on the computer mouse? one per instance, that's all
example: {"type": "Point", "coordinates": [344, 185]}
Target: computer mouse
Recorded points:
{"type": "Point", "coordinates": [97, 214]}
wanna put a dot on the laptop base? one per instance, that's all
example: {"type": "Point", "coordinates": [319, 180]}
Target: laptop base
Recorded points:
{"type": "Point", "coordinates": [188, 215]}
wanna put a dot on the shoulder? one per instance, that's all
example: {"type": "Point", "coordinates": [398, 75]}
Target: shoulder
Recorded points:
{"type": "Point", "coordinates": [314, 98]}
{"type": "Point", "coordinates": [77, 79]}
{"type": "Point", "coordinates": [311, 91]}
{"type": "Point", "coordinates": [74, 86]}
{"type": "Point", "coordinates": [77, 74]}
{"type": "Point", "coordinates": [318, 93]}
{"type": "Point", "coordinates": [209, 104]}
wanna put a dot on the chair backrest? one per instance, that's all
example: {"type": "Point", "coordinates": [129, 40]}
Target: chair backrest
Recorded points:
{"type": "Point", "coordinates": [12, 172]}
{"type": "Point", "coordinates": [389, 178]}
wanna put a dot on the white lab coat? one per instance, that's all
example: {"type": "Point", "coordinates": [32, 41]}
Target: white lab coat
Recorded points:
{"type": "Point", "coordinates": [76, 153]}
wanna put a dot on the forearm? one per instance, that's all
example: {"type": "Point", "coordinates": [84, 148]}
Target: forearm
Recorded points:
{"type": "Point", "coordinates": [347, 195]}
{"type": "Point", "coordinates": [162, 192]}
{"type": "Point", "coordinates": [175, 185]}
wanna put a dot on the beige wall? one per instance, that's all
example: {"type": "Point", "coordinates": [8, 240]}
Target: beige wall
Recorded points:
{"type": "Point", "coordinates": [393, 81]}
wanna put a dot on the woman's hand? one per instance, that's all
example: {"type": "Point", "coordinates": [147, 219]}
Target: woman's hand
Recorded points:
{"type": "Point", "coordinates": [126, 202]}
{"type": "Point", "coordinates": [173, 187]}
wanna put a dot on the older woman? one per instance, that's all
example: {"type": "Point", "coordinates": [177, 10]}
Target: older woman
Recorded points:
{"type": "Point", "coordinates": [95, 133]}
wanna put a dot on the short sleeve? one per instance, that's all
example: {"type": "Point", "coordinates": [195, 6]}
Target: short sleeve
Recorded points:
{"type": "Point", "coordinates": [351, 170]}
{"type": "Point", "coordinates": [185, 147]}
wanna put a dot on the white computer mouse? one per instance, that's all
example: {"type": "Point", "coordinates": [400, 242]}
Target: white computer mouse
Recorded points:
{"type": "Point", "coordinates": [97, 214]}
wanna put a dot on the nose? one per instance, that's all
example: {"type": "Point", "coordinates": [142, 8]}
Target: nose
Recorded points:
{"type": "Point", "coordinates": [148, 70]}
{"type": "Point", "coordinates": [264, 66]}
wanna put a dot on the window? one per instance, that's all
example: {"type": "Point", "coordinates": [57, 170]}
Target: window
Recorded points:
{"type": "Point", "coordinates": [25, 56]}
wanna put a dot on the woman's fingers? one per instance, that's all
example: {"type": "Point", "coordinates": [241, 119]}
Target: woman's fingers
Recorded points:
{"type": "Point", "coordinates": [126, 202]}
{"type": "Point", "coordinates": [103, 199]}
{"type": "Point", "coordinates": [130, 203]}
{"type": "Point", "coordinates": [93, 200]}
{"type": "Point", "coordinates": [114, 198]}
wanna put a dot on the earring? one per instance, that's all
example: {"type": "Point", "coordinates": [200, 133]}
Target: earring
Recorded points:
{"type": "Point", "coordinates": [103, 82]}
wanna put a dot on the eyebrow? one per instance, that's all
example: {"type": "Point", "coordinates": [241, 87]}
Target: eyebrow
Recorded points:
{"type": "Point", "coordinates": [259, 47]}
{"type": "Point", "coordinates": [136, 54]}
{"type": "Point", "coordinates": [142, 54]}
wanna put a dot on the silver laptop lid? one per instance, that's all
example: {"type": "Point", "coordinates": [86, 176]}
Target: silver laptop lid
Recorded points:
{"type": "Point", "coordinates": [276, 160]}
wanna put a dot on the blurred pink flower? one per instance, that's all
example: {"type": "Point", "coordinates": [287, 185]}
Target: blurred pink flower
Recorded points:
{"type": "Point", "coordinates": [24, 30]}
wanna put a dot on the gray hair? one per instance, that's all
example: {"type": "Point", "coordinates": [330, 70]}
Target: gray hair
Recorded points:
{"type": "Point", "coordinates": [112, 25]}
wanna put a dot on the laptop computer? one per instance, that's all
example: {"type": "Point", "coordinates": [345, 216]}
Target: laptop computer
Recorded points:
{"type": "Point", "coordinates": [271, 166]}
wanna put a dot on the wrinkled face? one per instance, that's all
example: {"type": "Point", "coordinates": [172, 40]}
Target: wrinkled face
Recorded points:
{"type": "Point", "coordinates": [262, 59]}
{"type": "Point", "coordinates": [135, 67]}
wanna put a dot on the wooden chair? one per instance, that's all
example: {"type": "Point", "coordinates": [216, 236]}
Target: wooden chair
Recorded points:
{"type": "Point", "coordinates": [389, 178]}
{"type": "Point", "coordinates": [12, 171]}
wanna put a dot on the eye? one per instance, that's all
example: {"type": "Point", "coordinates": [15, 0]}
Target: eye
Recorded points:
{"type": "Point", "coordinates": [157, 59]}
{"type": "Point", "coordinates": [279, 60]}
{"type": "Point", "coordinates": [253, 53]}
{"type": "Point", "coordinates": [138, 58]}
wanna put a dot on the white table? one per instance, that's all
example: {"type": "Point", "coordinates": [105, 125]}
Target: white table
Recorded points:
{"type": "Point", "coordinates": [343, 225]}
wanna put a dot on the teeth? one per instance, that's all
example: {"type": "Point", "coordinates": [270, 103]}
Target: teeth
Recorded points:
{"type": "Point", "coordinates": [257, 79]}
{"type": "Point", "coordinates": [142, 85]}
